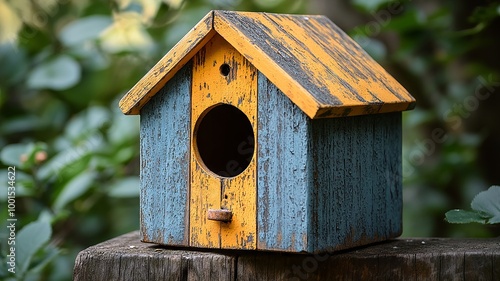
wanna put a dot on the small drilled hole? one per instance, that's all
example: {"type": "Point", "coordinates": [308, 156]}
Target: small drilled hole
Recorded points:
{"type": "Point", "coordinates": [225, 69]}
{"type": "Point", "coordinates": [225, 196]}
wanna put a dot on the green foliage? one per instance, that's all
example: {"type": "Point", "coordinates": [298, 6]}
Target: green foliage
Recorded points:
{"type": "Point", "coordinates": [60, 73]}
{"type": "Point", "coordinates": [443, 53]}
{"type": "Point", "coordinates": [464, 216]}
{"type": "Point", "coordinates": [30, 240]}
{"type": "Point", "coordinates": [84, 29]}
{"type": "Point", "coordinates": [72, 180]}
{"type": "Point", "coordinates": [369, 5]}
{"type": "Point", "coordinates": [485, 209]}
{"type": "Point", "coordinates": [64, 66]}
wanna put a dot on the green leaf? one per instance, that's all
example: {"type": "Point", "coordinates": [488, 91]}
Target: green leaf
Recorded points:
{"type": "Point", "coordinates": [88, 121]}
{"type": "Point", "coordinates": [173, 35]}
{"type": "Point", "coordinates": [124, 154]}
{"type": "Point", "coordinates": [463, 216]}
{"type": "Point", "coordinates": [68, 160]}
{"type": "Point", "coordinates": [21, 124]}
{"type": "Point", "coordinates": [488, 202]}
{"type": "Point", "coordinates": [373, 47]}
{"type": "Point", "coordinates": [123, 129]}
{"type": "Point", "coordinates": [11, 154]}
{"type": "Point", "coordinates": [267, 4]}
{"type": "Point", "coordinates": [84, 29]}
{"type": "Point", "coordinates": [176, 4]}
{"type": "Point", "coordinates": [369, 5]}
{"type": "Point", "coordinates": [17, 61]}
{"type": "Point", "coordinates": [60, 73]}
{"type": "Point", "coordinates": [73, 189]}
{"type": "Point", "coordinates": [29, 240]}
{"type": "Point", "coordinates": [24, 185]}
{"type": "Point", "coordinates": [50, 253]}
{"type": "Point", "coordinates": [127, 187]}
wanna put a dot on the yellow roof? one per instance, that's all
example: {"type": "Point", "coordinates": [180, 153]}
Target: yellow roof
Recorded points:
{"type": "Point", "coordinates": [311, 60]}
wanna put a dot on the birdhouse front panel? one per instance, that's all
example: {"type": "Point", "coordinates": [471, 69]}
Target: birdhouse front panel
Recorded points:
{"type": "Point", "coordinates": [223, 162]}
{"type": "Point", "coordinates": [269, 132]}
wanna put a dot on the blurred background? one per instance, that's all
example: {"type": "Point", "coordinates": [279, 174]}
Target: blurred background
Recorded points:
{"type": "Point", "coordinates": [64, 64]}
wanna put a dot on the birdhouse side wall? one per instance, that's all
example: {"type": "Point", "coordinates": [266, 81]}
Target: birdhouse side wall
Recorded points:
{"type": "Point", "coordinates": [165, 144]}
{"type": "Point", "coordinates": [356, 197]}
{"type": "Point", "coordinates": [325, 184]}
{"type": "Point", "coordinates": [284, 174]}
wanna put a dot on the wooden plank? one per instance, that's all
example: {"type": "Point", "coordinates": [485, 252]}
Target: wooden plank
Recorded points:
{"type": "Point", "coordinates": [427, 267]}
{"type": "Point", "coordinates": [496, 261]}
{"type": "Point", "coordinates": [356, 195]}
{"type": "Point", "coordinates": [167, 67]}
{"type": "Point", "coordinates": [165, 168]}
{"type": "Point", "coordinates": [472, 264]}
{"type": "Point", "coordinates": [208, 189]}
{"type": "Point", "coordinates": [283, 139]}
{"type": "Point", "coordinates": [126, 258]}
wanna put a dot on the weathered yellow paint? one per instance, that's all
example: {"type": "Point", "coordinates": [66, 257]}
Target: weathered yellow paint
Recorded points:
{"type": "Point", "coordinates": [325, 59]}
{"type": "Point", "coordinates": [205, 193]}
{"type": "Point", "coordinates": [323, 71]}
{"type": "Point", "coordinates": [300, 96]}
{"type": "Point", "coordinates": [167, 67]}
{"type": "Point", "coordinates": [209, 190]}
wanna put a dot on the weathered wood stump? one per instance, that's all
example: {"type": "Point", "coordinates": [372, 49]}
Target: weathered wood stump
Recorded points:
{"type": "Point", "coordinates": [126, 258]}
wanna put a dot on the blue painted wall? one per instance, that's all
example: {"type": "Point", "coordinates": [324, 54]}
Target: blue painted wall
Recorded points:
{"type": "Point", "coordinates": [356, 194]}
{"type": "Point", "coordinates": [165, 127]}
{"type": "Point", "coordinates": [283, 171]}
{"type": "Point", "coordinates": [325, 184]}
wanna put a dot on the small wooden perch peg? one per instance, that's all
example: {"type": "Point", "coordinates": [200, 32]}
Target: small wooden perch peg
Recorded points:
{"type": "Point", "coordinates": [221, 215]}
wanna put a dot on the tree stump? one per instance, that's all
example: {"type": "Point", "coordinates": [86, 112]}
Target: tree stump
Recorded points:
{"type": "Point", "coordinates": [126, 258]}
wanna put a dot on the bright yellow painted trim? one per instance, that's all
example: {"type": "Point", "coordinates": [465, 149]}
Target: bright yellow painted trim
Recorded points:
{"type": "Point", "coordinates": [314, 52]}
{"type": "Point", "coordinates": [167, 67]}
{"type": "Point", "coordinates": [239, 89]}
{"type": "Point", "coordinates": [331, 75]}
{"type": "Point", "coordinates": [300, 96]}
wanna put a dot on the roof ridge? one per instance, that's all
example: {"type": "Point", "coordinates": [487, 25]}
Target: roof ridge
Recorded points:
{"type": "Point", "coordinates": [312, 61]}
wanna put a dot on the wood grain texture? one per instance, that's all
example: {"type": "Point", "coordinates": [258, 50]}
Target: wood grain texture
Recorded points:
{"type": "Point", "coordinates": [126, 258]}
{"type": "Point", "coordinates": [325, 184]}
{"type": "Point", "coordinates": [209, 190]}
{"type": "Point", "coordinates": [283, 171]}
{"type": "Point", "coordinates": [165, 127]}
{"type": "Point", "coordinates": [323, 71]}
{"type": "Point", "coordinates": [167, 67]}
{"type": "Point", "coordinates": [356, 196]}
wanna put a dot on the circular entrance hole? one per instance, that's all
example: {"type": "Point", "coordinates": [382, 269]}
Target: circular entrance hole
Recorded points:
{"type": "Point", "coordinates": [224, 140]}
{"type": "Point", "coordinates": [225, 69]}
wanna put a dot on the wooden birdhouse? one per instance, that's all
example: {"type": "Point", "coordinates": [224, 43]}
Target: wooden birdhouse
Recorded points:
{"type": "Point", "coordinates": [269, 132]}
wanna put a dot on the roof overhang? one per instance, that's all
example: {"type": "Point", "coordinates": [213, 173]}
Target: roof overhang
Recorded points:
{"type": "Point", "coordinates": [312, 61]}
